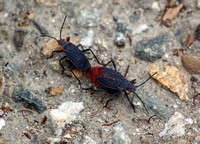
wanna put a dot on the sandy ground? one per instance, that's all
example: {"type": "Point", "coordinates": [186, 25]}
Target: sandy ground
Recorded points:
{"type": "Point", "coordinates": [27, 66]}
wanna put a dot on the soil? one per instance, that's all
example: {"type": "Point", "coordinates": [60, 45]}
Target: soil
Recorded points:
{"type": "Point", "coordinates": [25, 65]}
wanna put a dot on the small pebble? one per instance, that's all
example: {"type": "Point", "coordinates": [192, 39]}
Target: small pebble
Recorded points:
{"type": "Point", "coordinates": [65, 114]}
{"type": "Point", "coordinates": [175, 106]}
{"type": "Point", "coordinates": [120, 136]}
{"type": "Point", "coordinates": [155, 6]}
{"type": "Point", "coordinates": [5, 15]}
{"type": "Point", "coordinates": [140, 29]}
{"type": "Point", "coordinates": [2, 123]}
{"type": "Point", "coordinates": [67, 136]}
{"type": "Point", "coordinates": [18, 38]}
{"type": "Point", "coordinates": [190, 64]}
{"type": "Point", "coordinates": [87, 38]}
{"type": "Point", "coordinates": [20, 94]}
{"type": "Point", "coordinates": [31, 16]}
{"type": "Point", "coordinates": [151, 50]}
{"type": "Point", "coordinates": [189, 120]}
{"type": "Point", "coordinates": [120, 39]}
{"type": "Point", "coordinates": [175, 126]}
{"type": "Point", "coordinates": [121, 28]}
{"type": "Point", "coordinates": [54, 91]}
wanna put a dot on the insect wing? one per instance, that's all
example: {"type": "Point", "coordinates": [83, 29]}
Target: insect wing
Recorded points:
{"type": "Point", "coordinates": [76, 56]}
{"type": "Point", "coordinates": [112, 73]}
{"type": "Point", "coordinates": [107, 82]}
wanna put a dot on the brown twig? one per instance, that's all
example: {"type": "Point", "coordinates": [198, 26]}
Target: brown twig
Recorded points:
{"type": "Point", "coordinates": [110, 123]}
{"type": "Point", "coordinates": [195, 98]}
{"type": "Point", "coordinates": [24, 115]}
{"type": "Point", "coordinates": [149, 134]}
{"type": "Point", "coordinates": [130, 39]}
{"type": "Point", "coordinates": [27, 135]}
{"type": "Point", "coordinates": [100, 110]}
{"type": "Point", "coordinates": [152, 118]}
{"type": "Point", "coordinates": [44, 120]}
{"type": "Point", "coordinates": [3, 108]}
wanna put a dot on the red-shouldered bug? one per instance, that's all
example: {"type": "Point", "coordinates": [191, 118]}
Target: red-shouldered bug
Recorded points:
{"type": "Point", "coordinates": [73, 53]}
{"type": "Point", "coordinates": [110, 79]}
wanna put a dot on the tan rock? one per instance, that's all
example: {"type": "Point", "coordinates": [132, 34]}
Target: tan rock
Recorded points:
{"type": "Point", "coordinates": [54, 91]}
{"type": "Point", "coordinates": [49, 47]}
{"type": "Point", "coordinates": [171, 78]}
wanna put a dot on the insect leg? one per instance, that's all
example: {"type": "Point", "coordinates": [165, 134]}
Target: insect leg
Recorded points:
{"type": "Point", "coordinates": [58, 51]}
{"type": "Point", "coordinates": [129, 100]}
{"type": "Point", "coordinates": [114, 95]}
{"type": "Point", "coordinates": [114, 65]}
{"type": "Point", "coordinates": [89, 49]}
{"type": "Point", "coordinates": [80, 45]}
{"type": "Point", "coordinates": [126, 70]}
{"type": "Point", "coordinates": [61, 63]}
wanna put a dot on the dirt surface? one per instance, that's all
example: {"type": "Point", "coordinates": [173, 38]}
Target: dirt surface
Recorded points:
{"type": "Point", "coordinates": [25, 65]}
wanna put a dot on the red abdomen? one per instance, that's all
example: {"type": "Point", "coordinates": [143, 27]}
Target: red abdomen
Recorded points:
{"type": "Point", "coordinates": [94, 73]}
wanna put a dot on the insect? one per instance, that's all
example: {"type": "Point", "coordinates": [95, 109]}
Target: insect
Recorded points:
{"type": "Point", "coordinates": [197, 33]}
{"type": "Point", "coordinates": [72, 53]}
{"type": "Point", "coordinates": [111, 80]}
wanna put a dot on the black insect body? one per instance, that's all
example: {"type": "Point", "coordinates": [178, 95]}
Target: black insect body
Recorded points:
{"type": "Point", "coordinates": [112, 80]}
{"type": "Point", "coordinates": [73, 54]}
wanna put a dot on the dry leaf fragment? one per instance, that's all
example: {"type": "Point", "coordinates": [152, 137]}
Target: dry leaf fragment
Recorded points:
{"type": "Point", "coordinates": [191, 39]}
{"type": "Point", "coordinates": [171, 13]}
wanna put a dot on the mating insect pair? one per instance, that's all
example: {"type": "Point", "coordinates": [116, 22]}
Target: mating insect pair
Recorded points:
{"type": "Point", "coordinates": [106, 78]}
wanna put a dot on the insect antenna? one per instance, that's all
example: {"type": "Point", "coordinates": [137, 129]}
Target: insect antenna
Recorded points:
{"type": "Point", "coordinates": [141, 101]}
{"type": "Point", "coordinates": [45, 35]}
{"type": "Point", "coordinates": [62, 26]}
{"type": "Point", "coordinates": [146, 80]}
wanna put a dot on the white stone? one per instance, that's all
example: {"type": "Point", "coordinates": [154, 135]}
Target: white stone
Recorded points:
{"type": "Point", "coordinates": [140, 29]}
{"type": "Point", "coordinates": [65, 114]}
{"type": "Point", "coordinates": [88, 140]}
{"type": "Point", "coordinates": [54, 140]}
{"type": "Point", "coordinates": [120, 136]}
{"type": "Point", "coordinates": [175, 106]}
{"type": "Point", "coordinates": [155, 6]}
{"type": "Point", "coordinates": [189, 120]}
{"type": "Point", "coordinates": [2, 123]}
{"type": "Point", "coordinates": [198, 3]}
{"type": "Point", "coordinates": [5, 15]}
{"type": "Point", "coordinates": [175, 125]}
{"type": "Point", "coordinates": [87, 38]}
